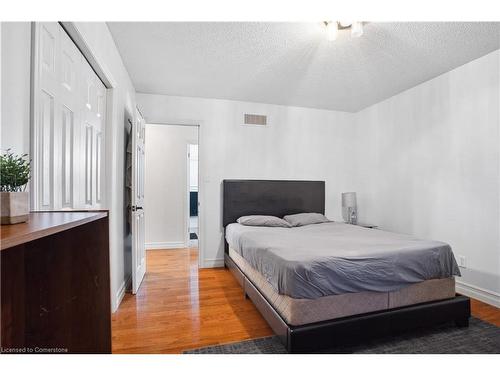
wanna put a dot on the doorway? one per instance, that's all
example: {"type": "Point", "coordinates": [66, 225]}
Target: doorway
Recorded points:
{"type": "Point", "coordinates": [172, 189]}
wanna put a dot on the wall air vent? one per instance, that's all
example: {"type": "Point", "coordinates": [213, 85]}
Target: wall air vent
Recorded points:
{"type": "Point", "coordinates": [251, 119]}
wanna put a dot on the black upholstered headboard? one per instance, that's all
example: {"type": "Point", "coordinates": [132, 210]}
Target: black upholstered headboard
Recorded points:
{"type": "Point", "coordinates": [271, 197]}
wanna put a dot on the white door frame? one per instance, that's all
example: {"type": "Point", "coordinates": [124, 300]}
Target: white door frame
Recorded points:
{"type": "Point", "coordinates": [198, 124]}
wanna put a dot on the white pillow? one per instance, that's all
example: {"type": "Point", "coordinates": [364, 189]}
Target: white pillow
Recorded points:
{"type": "Point", "coordinates": [263, 221]}
{"type": "Point", "coordinates": [299, 220]}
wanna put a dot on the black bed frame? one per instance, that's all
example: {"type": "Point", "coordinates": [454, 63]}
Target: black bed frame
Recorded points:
{"type": "Point", "coordinates": [284, 197]}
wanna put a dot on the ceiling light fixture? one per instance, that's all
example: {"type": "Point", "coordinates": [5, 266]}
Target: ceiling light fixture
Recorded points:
{"type": "Point", "coordinates": [345, 24]}
{"type": "Point", "coordinates": [333, 28]}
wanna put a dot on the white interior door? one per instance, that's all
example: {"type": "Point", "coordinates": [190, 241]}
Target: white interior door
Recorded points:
{"type": "Point", "coordinates": [138, 238]}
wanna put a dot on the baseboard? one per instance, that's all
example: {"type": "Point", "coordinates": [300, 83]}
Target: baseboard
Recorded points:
{"type": "Point", "coordinates": [120, 294]}
{"type": "Point", "coordinates": [165, 245]}
{"type": "Point", "coordinates": [483, 295]}
{"type": "Point", "coordinates": [213, 263]}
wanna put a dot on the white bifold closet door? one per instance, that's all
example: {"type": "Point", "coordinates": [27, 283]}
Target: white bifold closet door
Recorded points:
{"type": "Point", "coordinates": [69, 103]}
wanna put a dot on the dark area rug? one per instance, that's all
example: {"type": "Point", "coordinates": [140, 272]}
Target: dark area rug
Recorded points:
{"type": "Point", "coordinates": [480, 337]}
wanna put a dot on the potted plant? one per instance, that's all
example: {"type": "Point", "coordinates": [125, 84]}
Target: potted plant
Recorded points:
{"type": "Point", "coordinates": [14, 176]}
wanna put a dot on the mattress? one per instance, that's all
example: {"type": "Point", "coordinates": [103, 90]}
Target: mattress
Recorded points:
{"type": "Point", "coordinates": [335, 258]}
{"type": "Point", "coordinates": [297, 312]}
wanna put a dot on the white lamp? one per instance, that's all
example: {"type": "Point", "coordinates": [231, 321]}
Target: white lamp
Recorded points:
{"type": "Point", "coordinates": [349, 208]}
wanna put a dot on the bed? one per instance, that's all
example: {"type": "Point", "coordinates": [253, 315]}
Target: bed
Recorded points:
{"type": "Point", "coordinates": [374, 283]}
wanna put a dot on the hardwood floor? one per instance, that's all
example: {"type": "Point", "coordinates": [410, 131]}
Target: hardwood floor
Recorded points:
{"type": "Point", "coordinates": [485, 312]}
{"type": "Point", "coordinates": [179, 307]}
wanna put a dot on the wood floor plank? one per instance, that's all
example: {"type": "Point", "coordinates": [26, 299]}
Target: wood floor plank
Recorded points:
{"type": "Point", "coordinates": [179, 307]}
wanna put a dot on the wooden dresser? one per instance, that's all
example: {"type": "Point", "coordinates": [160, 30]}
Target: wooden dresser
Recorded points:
{"type": "Point", "coordinates": [55, 293]}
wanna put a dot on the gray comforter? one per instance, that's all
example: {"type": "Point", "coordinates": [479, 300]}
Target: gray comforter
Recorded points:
{"type": "Point", "coordinates": [335, 258]}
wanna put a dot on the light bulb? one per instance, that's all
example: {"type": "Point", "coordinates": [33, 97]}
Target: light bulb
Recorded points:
{"type": "Point", "coordinates": [357, 29]}
{"type": "Point", "coordinates": [331, 30]}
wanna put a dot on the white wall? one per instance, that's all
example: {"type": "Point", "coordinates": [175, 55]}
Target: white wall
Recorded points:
{"type": "Point", "coordinates": [15, 86]}
{"type": "Point", "coordinates": [299, 143]}
{"type": "Point", "coordinates": [166, 184]}
{"type": "Point", "coordinates": [15, 55]}
{"type": "Point", "coordinates": [429, 165]}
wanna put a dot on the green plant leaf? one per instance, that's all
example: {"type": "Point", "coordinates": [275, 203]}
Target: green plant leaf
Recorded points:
{"type": "Point", "coordinates": [15, 171]}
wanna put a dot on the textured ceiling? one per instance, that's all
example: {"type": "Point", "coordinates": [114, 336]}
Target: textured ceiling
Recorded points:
{"type": "Point", "coordinates": [293, 63]}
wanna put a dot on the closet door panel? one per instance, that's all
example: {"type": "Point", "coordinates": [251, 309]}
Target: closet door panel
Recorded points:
{"type": "Point", "coordinates": [48, 41]}
{"type": "Point", "coordinates": [68, 150]}
{"type": "Point", "coordinates": [89, 140]}
{"type": "Point", "coordinates": [89, 107]}
{"type": "Point", "coordinates": [69, 90]}
{"type": "Point", "coordinates": [45, 155]}
{"type": "Point", "coordinates": [94, 116]}
{"type": "Point", "coordinates": [68, 125]}
{"type": "Point", "coordinates": [98, 170]}
{"type": "Point", "coordinates": [47, 116]}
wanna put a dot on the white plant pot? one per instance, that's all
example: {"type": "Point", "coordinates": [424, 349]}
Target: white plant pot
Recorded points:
{"type": "Point", "coordinates": [15, 207]}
